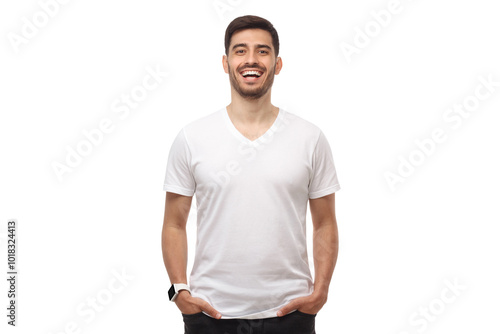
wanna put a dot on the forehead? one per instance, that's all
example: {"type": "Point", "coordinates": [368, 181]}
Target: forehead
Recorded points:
{"type": "Point", "coordinates": [252, 36]}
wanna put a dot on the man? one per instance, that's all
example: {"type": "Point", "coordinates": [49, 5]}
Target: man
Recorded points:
{"type": "Point", "coordinates": [253, 167]}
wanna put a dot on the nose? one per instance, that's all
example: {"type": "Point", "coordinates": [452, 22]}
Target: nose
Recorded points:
{"type": "Point", "coordinates": [251, 58]}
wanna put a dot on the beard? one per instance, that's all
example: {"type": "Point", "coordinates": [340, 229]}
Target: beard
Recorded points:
{"type": "Point", "coordinates": [251, 92]}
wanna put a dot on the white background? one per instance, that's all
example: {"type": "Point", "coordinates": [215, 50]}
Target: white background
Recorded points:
{"type": "Point", "coordinates": [397, 247]}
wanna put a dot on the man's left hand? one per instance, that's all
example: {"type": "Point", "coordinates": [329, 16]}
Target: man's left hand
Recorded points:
{"type": "Point", "coordinates": [309, 304]}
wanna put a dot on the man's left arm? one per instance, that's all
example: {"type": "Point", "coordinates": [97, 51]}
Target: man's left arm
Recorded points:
{"type": "Point", "coordinates": [325, 251]}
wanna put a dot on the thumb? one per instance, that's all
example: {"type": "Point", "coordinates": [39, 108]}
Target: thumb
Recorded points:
{"type": "Point", "coordinates": [210, 310]}
{"type": "Point", "coordinates": [293, 305]}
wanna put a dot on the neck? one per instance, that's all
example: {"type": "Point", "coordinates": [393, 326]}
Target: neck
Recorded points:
{"type": "Point", "coordinates": [252, 111]}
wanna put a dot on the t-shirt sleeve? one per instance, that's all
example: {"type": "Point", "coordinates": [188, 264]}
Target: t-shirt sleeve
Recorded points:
{"type": "Point", "coordinates": [323, 180]}
{"type": "Point", "coordinates": [179, 178]}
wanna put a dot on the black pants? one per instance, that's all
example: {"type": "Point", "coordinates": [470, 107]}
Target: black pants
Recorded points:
{"type": "Point", "coordinates": [292, 323]}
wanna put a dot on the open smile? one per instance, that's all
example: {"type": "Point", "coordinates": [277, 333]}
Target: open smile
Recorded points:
{"type": "Point", "coordinates": [251, 75]}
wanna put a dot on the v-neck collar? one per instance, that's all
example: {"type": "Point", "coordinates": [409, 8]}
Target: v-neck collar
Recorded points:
{"type": "Point", "coordinates": [244, 139]}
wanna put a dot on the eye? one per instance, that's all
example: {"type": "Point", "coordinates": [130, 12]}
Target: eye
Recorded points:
{"type": "Point", "coordinates": [240, 51]}
{"type": "Point", "coordinates": [264, 51]}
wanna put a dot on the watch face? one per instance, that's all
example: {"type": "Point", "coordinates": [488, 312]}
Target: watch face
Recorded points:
{"type": "Point", "coordinates": [171, 292]}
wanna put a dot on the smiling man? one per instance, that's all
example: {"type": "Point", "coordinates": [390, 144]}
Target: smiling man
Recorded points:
{"type": "Point", "coordinates": [254, 167]}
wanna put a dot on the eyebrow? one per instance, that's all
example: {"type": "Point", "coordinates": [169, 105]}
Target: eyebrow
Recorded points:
{"type": "Point", "coordinates": [259, 46]}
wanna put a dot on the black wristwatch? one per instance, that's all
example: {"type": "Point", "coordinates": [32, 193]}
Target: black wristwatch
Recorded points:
{"type": "Point", "coordinates": [174, 290]}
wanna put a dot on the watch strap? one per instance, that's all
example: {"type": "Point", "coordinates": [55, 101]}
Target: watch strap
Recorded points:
{"type": "Point", "coordinates": [174, 290]}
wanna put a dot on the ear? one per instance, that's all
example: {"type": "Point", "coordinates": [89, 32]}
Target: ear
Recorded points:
{"type": "Point", "coordinates": [279, 65]}
{"type": "Point", "coordinates": [224, 64]}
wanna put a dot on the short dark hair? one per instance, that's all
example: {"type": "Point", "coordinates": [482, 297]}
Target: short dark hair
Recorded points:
{"type": "Point", "coordinates": [251, 22]}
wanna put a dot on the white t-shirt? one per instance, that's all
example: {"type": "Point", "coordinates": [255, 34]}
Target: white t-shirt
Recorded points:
{"type": "Point", "coordinates": [251, 198]}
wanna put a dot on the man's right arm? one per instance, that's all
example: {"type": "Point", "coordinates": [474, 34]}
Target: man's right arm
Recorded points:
{"type": "Point", "coordinates": [174, 248]}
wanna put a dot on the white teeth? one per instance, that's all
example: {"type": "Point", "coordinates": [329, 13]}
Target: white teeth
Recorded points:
{"type": "Point", "coordinates": [251, 72]}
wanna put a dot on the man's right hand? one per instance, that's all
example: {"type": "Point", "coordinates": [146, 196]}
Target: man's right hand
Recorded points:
{"type": "Point", "coordinates": [188, 304]}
